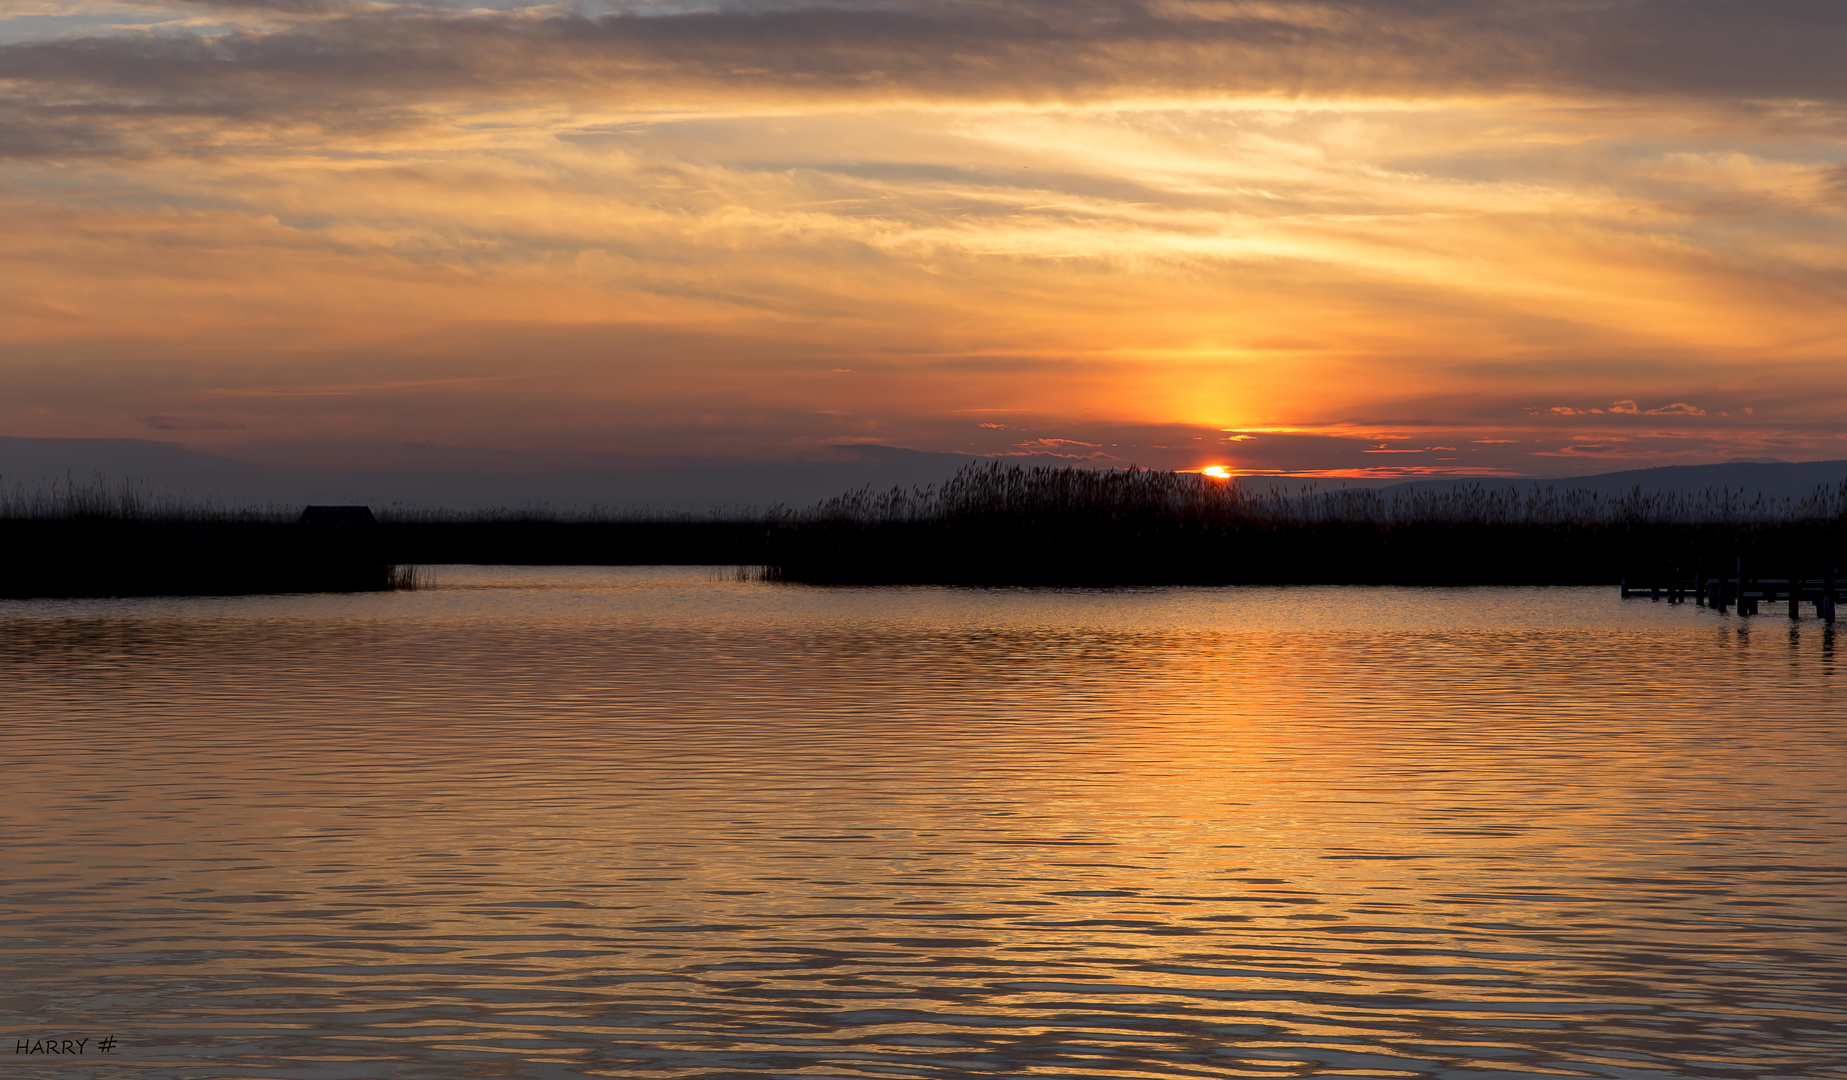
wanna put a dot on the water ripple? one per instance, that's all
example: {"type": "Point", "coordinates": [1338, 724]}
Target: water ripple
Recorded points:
{"type": "Point", "coordinates": [547, 823]}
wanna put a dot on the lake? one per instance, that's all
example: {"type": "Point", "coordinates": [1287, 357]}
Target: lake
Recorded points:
{"type": "Point", "coordinates": [558, 822]}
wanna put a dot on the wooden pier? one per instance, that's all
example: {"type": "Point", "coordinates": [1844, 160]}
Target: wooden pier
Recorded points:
{"type": "Point", "coordinates": [1744, 593]}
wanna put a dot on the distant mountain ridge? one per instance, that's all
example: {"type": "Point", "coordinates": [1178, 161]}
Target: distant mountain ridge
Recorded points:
{"type": "Point", "coordinates": [1772, 479]}
{"type": "Point", "coordinates": [675, 486]}
{"type": "Point", "coordinates": [699, 486]}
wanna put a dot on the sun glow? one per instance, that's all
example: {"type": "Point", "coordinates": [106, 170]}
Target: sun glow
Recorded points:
{"type": "Point", "coordinates": [632, 250]}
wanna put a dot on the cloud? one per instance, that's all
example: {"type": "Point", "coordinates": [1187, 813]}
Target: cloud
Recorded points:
{"type": "Point", "coordinates": [1243, 217]}
{"type": "Point", "coordinates": [1097, 456]}
{"type": "Point", "coordinates": [380, 66]}
{"type": "Point", "coordinates": [1067, 449]}
{"type": "Point", "coordinates": [1384, 449]}
{"type": "Point", "coordinates": [1630, 408]}
{"type": "Point", "coordinates": [1056, 444]}
{"type": "Point", "coordinates": [191, 423]}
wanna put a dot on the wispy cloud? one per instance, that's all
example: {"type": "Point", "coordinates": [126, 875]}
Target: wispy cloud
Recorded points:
{"type": "Point", "coordinates": [192, 423]}
{"type": "Point", "coordinates": [1033, 51]}
{"type": "Point", "coordinates": [1188, 212]}
{"type": "Point", "coordinates": [1627, 407]}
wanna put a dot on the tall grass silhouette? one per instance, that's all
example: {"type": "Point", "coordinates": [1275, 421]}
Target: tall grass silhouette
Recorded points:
{"type": "Point", "coordinates": [537, 536]}
{"type": "Point", "coordinates": [990, 524]}
{"type": "Point", "coordinates": [995, 523]}
{"type": "Point", "coordinates": [103, 538]}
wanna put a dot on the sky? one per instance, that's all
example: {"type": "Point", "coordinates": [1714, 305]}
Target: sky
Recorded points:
{"type": "Point", "coordinates": [1396, 238]}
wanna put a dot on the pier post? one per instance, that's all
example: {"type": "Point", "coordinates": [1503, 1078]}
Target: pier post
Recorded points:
{"type": "Point", "coordinates": [1699, 585]}
{"type": "Point", "coordinates": [1824, 604]}
{"type": "Point", "coordinates": [1795, 598]}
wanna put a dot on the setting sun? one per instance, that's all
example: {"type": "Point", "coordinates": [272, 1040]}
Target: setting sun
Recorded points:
{"type": "Point", "coordinates": [689, 512]}
{"type": "Point", "coordinates": [671, 231]}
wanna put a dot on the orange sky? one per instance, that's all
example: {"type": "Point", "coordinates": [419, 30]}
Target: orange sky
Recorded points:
{"type": "Point", "coordinates": [1541, 238]}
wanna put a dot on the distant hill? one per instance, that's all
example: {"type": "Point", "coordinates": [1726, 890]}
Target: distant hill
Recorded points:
{"type": "Point", "coordinates": [163, 467]}
{"type": "Point", "coordinates": [1773, 479]}
{"type": "Point", "coordinates": [674, 486]}
{"type": "Point", "coordinates": [693, 486]}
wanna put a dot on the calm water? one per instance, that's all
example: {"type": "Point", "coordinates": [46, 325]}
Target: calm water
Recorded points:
{"type": "Point", "coordinates": [555, 823]}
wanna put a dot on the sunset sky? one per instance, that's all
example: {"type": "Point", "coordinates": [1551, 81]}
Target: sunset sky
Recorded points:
{"type": "Point", "coordinates": [1533, 237]}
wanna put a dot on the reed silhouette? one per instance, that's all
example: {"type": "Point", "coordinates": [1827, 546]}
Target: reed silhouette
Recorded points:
{"type": "Point", "coordinates": [991, 524]}
{"type": "Point", "coordinates": [1000, 524]}
{"type": "Point", "coordinates": [99, 538]}
{"type": "Point", "coordinates": [541, 537]}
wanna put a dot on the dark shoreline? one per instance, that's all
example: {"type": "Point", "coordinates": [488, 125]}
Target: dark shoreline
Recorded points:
{"type": "Point", "coordinates": [1331, 554]}
{"type": "Point", "coordinates": [107, 557]}
{"type": "Point", "coordinates": [186, 556]}
{"type": "Point", "coordinates": [990, 525]}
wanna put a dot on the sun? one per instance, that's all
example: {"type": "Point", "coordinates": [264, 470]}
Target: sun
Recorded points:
{"type": "Point", "coordinates": [1216, 472]}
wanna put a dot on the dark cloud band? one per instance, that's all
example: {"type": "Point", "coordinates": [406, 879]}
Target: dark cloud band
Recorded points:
{"type": "Point", "coordinates": [343, 56]}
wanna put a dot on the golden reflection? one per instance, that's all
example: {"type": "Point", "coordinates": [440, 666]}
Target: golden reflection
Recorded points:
{"type": "Point", "coordinates": [885, 826]}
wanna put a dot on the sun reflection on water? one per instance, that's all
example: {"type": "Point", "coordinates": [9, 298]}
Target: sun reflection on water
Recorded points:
{"type": "Point", "coordinates": [625, 820]}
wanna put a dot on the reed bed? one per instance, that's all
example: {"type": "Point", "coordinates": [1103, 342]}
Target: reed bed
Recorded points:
{"type": "Point", "coordinates": [990, 524]}
{"type": "Point", "coordinates": [536, 536]}
{"type": "Point", "coordinates": [1000, 524]}
{"type": "Point", "coordinates": [102, 538]}
{"type": "Point", "coordinates": [102, 498]}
